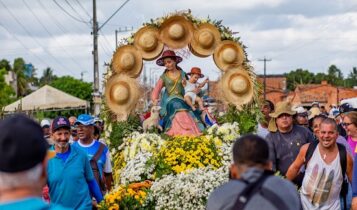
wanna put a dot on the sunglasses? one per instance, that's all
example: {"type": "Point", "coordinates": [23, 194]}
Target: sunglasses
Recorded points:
{"type": "Point", "coordinates": [346, 124]}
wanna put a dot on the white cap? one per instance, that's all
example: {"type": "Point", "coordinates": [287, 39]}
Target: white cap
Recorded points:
{"type": "Point", "coordinates": [45, 122]}
{"type": "Point", "coordinates": [300, 110]}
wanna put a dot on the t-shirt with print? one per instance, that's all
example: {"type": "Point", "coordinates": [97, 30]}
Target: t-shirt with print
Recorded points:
{"type": "Point", "coordinates": [104, 163]}
{"type": "Point", "coordinates": [284, 147]}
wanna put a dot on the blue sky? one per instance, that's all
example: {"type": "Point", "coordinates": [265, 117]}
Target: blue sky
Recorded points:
{"type": "Point", "coordinates": [294, 34]}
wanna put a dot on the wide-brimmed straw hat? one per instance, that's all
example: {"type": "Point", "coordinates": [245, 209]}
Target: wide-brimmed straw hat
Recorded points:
{"type": "Point", "coordinates": [205, 40]}
{"type": "Point", "coordinates": [176, 32]}
{"type": "Point", "coordinates": [283, 107]}
{"type": "Point", "coordinates": [314, 111]}
{"type": "Point", "coordinates": [196, 70]}
{"type": "Point", "coordinates": [228, 53]}
{"type": "Point", "coordinates": [122, 94]}
{"type": "Point", "coordinates": [237, 86]}
{"type": "Point", "coordinates": [127, 59]}
{"type": "Point", "coordinates": [168, 54]}
{"type": "Point", "coordinates": [146, 40]}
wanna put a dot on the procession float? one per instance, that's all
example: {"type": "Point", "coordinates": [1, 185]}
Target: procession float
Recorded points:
{"type": "Point", "coordinates": [173, 157]}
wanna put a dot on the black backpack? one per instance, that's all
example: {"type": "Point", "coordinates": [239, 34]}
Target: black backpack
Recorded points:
{"type": "Point", "coordinates": [343, 162]}
{"type": "Point", "coordinates": [256, 187]}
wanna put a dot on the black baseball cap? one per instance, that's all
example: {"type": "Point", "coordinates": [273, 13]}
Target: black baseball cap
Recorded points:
{"type": "Point", "coordinates": [346, 107]}
{"type": "Point", "coordinates": [60, 122]}
{"type": "Point", "coordinates": [22, 145]}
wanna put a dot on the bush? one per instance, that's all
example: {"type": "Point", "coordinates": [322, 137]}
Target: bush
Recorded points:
{"type": "Point", "coordinates": [121, 130]}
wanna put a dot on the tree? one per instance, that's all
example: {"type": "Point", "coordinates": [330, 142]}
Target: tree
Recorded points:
{"type": "Point", "coordinates": [18, 68]}
{"type": "Point", "coordinates": [299, 76]}
{"type": "Point", "coordinates": [335, 76]}
{"type": "Point", "coordinates": [47, 76]}
{"type": "Point", "coordinates": [352, 78]}
{"type": "Point", "coordinates": [73, 86]}
{"type": "Point", "coordinates": [5, 64]}
{"type": "Point", "coordinates": [7, 94]}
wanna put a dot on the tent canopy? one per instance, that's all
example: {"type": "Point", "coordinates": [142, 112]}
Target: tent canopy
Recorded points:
{"type": "Point", "coordinates": [45, 98]}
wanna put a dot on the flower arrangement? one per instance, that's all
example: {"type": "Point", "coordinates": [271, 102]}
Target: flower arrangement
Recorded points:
{"type": "Point", "coordinates": [187, 190]}
{"type": "Point", "coordinates": [133, 196]}
{"type": "Point", "coordinates": [227, 132]}
{"type": "Point", "coordinates": [185, 153]}
{"type": "Point", "coordinates": [137, 169]}
{"type": "Point", "coordinates": [140, 143]}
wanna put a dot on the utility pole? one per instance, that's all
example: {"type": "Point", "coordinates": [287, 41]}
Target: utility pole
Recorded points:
{"type": "Point", "coordinates": [96, 94]}
{"type": "Point", "coordinates": [97, 100]}
{"type": "Point", "coordinates": [264, 79]}
{"type": "Point", "coordinates": [126, 29]}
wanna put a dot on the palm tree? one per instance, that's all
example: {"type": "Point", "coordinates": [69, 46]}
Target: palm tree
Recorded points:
{"type": "Point", "coordinates": [47, 76]}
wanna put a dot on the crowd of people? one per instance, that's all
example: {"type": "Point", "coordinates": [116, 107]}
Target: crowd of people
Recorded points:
{"type": "Point", "coordinates": [62, 162]}
{"type": "Point", "coordinates": [313, 149]}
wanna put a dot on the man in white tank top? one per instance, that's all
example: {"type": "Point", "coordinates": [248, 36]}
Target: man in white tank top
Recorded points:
{"type": "Point", "coordinates": [323, 175]}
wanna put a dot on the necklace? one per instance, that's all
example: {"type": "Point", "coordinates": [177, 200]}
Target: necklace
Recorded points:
{"type": "Point", "coordinates": [324, 157]}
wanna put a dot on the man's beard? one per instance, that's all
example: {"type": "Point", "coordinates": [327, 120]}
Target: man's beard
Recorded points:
{"type": "Point", "coordinates": [62, 145]}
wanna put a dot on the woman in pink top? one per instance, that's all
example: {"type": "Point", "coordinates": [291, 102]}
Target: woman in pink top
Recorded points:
{"type": "Point", "coordinates": [350, 125]}
{"type": "Point", "coordinates": [178, 117]}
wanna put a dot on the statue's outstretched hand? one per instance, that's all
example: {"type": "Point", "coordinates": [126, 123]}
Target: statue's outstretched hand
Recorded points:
{"type": "Point", "coordinates": [184, 82]}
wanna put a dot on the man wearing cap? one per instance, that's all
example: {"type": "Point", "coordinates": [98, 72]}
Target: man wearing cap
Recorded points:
{"type": "Point", "coordinates": [285, 139]}
{"type": "Point", "coordinates": [69, 172]}
{"type": "Point", "coordinates": [45, 124]}
{"type": "Point", "coordinates": [301, 117]}
{"type": "Point", "coordinates": [97, 153]}
{"type": "Point", "coordinates": [23, 160]}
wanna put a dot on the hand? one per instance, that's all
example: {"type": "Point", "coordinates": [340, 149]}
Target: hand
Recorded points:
{"type": "Point", "coordinates": [197, 90]}
{"type": "Point", "coordinates": [184, 82]}
{"type": "Point", "coordinates": [206, 80]}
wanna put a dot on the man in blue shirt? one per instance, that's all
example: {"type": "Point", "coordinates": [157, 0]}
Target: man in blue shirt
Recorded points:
{"type": "Point", "coordinates": [96, 152]}
{"type": "Point", "coordinates": [23, 151]}
{"type": "Point", "coordinates": [69, 172]}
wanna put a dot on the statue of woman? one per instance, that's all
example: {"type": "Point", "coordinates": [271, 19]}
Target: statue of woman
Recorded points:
{"type": "Point", "coordinates": [178, 117]}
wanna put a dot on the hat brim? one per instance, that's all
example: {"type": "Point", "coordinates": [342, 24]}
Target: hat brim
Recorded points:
{"type": "Point", "coordinates": [134, 89]}
{"type": "Point", "coordinates": [277, 114]}
{"type": "Point", "coordinates": [160, 61]}
{"type": "Point", "coordinates": [151, 54]}
{"type": "Point", "coordinates": [117, 66]}
{"type": "Point", "coordinates": [229, 95]}
{"type": "Point", "coordinates": [200, 75]}
{"type": "Point", "coordinates": [176, 43]}
{"type": "Point", "coordinates": [218, 53]}
{"type": "Point", "coordinates": [195, 46]}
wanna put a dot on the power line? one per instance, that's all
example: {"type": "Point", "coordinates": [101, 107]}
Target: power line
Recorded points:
{"type": "Point", "coordinates": [75, 11]}
{"type": "Point", "coordinates": [113, 14]}
{"type": "Point", "coordinates": [30, 35]}
{"type": "Point", "coordinates": [19, 40]}
{"type": "Point", "coordinates": [79, 3]}
{"type": "Point", "coordinates": [49, 33]}
{"type": "Point", "coordinates": [106, 44]}
{"type": "Point", "coordinates": [69, 13]}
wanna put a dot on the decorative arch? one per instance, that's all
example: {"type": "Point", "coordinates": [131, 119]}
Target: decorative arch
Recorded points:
{"type": "Point", "coordinates": [203, 37]}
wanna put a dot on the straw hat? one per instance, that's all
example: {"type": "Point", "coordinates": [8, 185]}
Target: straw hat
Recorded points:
{"type": "Point", "coordinates": [168, 54]}
{"type": "Point", "coordinates": [146, 40]}
{"type": "Point", "coordinates": [228, 53]}
{"type": "Point", "coordinates": [314, 111]}
{"type": "Point", "coordinates": [127, 59]}
{"type": "Point", "coordinates": [196, 70]}
{"type": "Point", "coordinates": [122, 94]}
{"type": "Point", "coordinates": [237, 86]}
{"type": "Point", "coordinates": [176, 32]}
{"type": "Point", "coordinates": [282, 107]}
{"type": "Point", "coordinates": [205, 40]}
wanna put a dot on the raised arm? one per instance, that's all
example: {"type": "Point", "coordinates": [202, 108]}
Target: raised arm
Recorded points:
{"type": "Point", "coordinates": [200, 85]}
{"type": "Point", "coordinates": [294, 168]}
